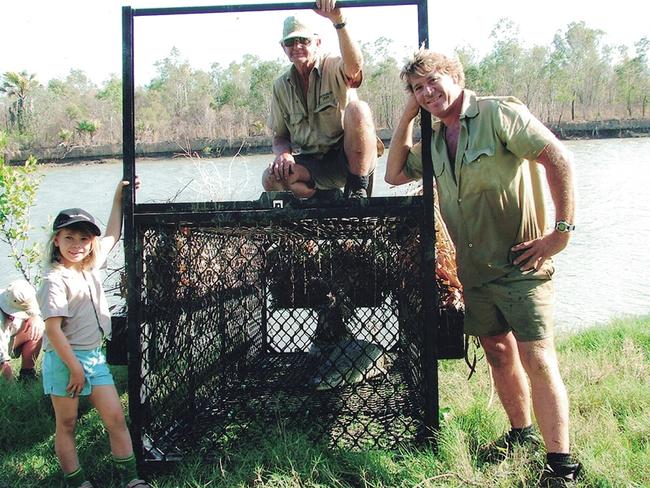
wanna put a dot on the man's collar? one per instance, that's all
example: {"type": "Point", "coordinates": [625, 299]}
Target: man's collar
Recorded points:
{"type": "Point", "coordinates": [470, 104]}
{"type": "Point", "coordinates": [293, 71]}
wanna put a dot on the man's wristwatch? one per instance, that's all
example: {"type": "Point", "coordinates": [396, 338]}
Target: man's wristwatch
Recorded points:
{"type": "Point", "coordinates": [563, 226]}
{"type": "Point", "coordinates": [340, 25]}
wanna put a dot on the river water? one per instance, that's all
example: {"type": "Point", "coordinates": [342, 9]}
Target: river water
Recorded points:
{"type": "Point", "coordinates": [604, 273]}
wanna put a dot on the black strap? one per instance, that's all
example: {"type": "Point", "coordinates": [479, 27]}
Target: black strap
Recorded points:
{"type": "Point", "coordinates": [471, 362]}
{"type": "Point", "coordinates": [92, 301]}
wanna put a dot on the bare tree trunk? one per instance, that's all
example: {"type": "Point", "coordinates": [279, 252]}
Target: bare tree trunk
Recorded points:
{"type": "Point", "coordinates": [573, 107]}
{"type": "Point", "coordinates": [629, 103]}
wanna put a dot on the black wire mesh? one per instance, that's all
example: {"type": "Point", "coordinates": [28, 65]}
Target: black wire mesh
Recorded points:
{"type": "Point", "coordinates": [245, 323]}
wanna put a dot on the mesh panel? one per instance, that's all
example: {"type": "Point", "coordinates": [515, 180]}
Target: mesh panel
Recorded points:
{"type": "Point", "coordinates": [318, 321]}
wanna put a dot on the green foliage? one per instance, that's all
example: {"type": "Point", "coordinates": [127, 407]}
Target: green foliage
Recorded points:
{"type": "Point", "coordinates": [246, 86]}
{"type": "Point", "coordinates": [66, 136]}
{"type": "Point", "coordinates": [112, 93]}
{"type": "Point", "coordinates": [633, 78]}
{"type": "Point", "coordinates": [88, 127]}
{"type": "Point", "coordinates": [382, 89]}
{"type": "Point", "coordinates": [18, 187]}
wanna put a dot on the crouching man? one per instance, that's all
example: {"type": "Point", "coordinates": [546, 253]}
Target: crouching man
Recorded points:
{"type": "Point", "coordinates": [323, 136]}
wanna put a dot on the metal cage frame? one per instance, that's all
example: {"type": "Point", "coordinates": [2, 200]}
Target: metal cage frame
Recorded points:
{"type": "Point", "coordinates": [137, 214]}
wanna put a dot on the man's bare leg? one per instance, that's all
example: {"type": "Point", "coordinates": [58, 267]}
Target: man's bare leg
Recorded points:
{"type": "Point", "coordinates": [550, 399]}
{"type": "Point", "coordinates": [360, 145]}
{"type": "Point", "coordinates": [359, 139]}
{"type": "Point", "coordinates": [509, 376]}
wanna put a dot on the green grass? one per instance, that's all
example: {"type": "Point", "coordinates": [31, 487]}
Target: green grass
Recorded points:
{"type": "Point", "coordinates": [606, 369]}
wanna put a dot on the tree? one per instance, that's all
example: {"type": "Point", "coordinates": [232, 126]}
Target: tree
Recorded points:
{"type": "Point", "coordinates": [18, 187]}
{"type": "Point", "coordinates": [176, 102]}
{"type": "Point", "coordinates": [500, 69]}
{"type": "Point", "coordinates": [18, 86]}
{"type": "Point", "coordinates": [242, 94]}
{"type": "Point", "coordinates": [110, 96]}
{"type": "Point", "coordinates": [468, 58]}
{"type": "Point", "coordinates": [580, 57]}
{"type": "Point", "coordinates": [382, 87]}
{"type": "Point", "coordinates": [262, 76]}
{"type": "Point", "coordinates": [633, 77]}
{"type": "Point", "coordinates": [88, 127]}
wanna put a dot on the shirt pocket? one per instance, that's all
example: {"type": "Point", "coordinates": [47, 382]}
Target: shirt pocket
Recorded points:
{"type": "Point", "coordinates": [474, 155]}
{"type": "Point", "coordinates": [478, 173]}
{"type": "Point", "coordinates": [296, 118]}
{"type": "Point", "coordinates": [328, 115]}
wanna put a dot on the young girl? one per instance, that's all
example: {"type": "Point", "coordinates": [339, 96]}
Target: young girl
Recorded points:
{"type": "Point", "coordinates": [77, 319]}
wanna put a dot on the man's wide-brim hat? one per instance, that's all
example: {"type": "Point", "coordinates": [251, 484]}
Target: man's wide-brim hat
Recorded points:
{"type": "Point", "coordinates": [71, 216]}
{"type": "Point", "coordinates": [19, 300]}
{"type": "Point", "coordinates": [295, 26]}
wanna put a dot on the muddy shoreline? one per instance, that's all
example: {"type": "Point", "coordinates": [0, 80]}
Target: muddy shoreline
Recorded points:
{"type": "Point", "coordinates": [211, 148]}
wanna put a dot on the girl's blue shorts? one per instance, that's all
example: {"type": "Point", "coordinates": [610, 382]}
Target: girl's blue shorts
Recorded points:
{"type": "Point", "coordinates": [56, 375]}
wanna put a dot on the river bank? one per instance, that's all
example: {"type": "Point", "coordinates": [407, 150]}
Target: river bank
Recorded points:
{"type": "Point", "coordinates": [602, 129]}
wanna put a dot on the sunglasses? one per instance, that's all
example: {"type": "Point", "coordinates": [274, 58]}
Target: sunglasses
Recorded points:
{"type": "Point", "coordinates": [305, 41]}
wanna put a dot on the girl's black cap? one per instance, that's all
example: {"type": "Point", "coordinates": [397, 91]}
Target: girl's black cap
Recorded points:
{"type": "Point", "coordinates": [74, 216]}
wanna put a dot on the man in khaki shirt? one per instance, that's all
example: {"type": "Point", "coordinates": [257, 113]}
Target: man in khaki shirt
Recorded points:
{"type": "Point", "coordinates": [323, 136]}
{"type": "Point", "coordinates": [486, 153]}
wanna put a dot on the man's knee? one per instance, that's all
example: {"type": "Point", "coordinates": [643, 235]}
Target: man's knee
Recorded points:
{"type": "Point", "coordinates": [357, 114]}
{"type": "Point", "coordinates": [500, 350]}
{"type": "Point", "coordinates": [269, 181]}
{"type": "Point", "coordinates": [539, 357]}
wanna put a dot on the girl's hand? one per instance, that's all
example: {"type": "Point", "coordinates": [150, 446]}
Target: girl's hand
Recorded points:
{"type": "Point", "coordinates": [123, 183]}
{"type": "Point", "coordinates": [77, 380]}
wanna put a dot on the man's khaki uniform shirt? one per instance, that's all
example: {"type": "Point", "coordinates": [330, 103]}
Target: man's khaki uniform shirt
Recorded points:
{"type": "Point", "coordinates": [313, 125]}
{"type": "Point", "coordinates": [491, 196]}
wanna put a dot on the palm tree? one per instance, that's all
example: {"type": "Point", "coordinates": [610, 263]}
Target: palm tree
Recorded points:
{"type": "Point", "coordinates": [18, 86]}
{"type": "Point", "coordinates": [89, 127]}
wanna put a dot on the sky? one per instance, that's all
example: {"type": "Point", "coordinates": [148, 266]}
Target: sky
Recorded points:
{"type": "Point", "coordinates": [49, 38]}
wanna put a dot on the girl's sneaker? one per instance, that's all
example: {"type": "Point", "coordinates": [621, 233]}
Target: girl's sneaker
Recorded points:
{"type": "Point", "coordinates": [138, 484]}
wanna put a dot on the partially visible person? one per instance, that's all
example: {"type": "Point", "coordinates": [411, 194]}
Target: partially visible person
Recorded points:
{"type": "Point", "coordinates": [487, 153]}
{"type": "Point", "coordinates": [77, 320]}
{"type": "Point", "coordinates": [323, 135]}
{"type": "Point", "coordinates": [21, 329]}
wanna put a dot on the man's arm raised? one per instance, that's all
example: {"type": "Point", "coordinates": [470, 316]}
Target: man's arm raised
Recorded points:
{"type": "Point", "coordinates": [400, 145]}
{"type": "Point", "coordinates": [350, 51]}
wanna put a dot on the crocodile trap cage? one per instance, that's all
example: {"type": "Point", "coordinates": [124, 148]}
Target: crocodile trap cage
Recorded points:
{"type": "Point", "coordinates": [245, 315]}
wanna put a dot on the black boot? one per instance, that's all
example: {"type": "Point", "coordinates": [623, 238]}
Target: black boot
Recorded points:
{"type": "Point", "coordinates": [560, 474]}
{"type": "Point", "coordinates": [27, 375]}
{"type": "Point", "coordinates": [358, 186]}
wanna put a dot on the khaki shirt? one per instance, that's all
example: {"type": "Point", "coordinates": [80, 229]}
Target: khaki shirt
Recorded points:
{"type": "Point", "coordinates": [64, 293]}
{"type": "Point", "coordinates": [313, 125]}
{"type": "Point", "coordinates": [491, 197]}
{"type": "Point", "coordinates": [8, 328]}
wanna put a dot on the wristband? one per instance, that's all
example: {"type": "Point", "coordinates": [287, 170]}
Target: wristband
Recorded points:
{"type": "Point", "coordinates": [340, 25]}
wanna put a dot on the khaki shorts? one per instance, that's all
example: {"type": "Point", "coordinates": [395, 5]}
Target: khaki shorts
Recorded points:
{"type": "Point", "coordinates": [331, 171]}
{"type": "Point", "coordinates": [523, 306]}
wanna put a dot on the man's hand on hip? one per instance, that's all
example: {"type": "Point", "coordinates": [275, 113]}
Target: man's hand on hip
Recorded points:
{"type": "Point", "coordinates": [534, 253]}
